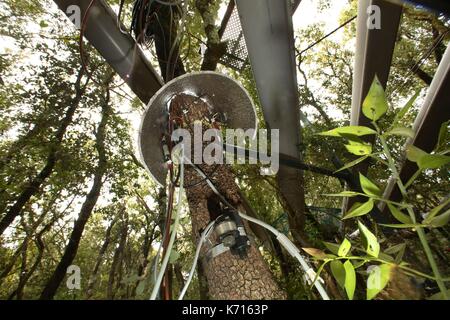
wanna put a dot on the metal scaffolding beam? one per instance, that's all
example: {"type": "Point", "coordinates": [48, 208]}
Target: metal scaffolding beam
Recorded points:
{"type": "Point", "coordinates": [118, 48]}
{"type": "Point", "coordinates": [269, 36]}
{"type": "Point", "coordinates": [433, 113]}
{"type": "Point", "coordinates": [374, 50]}
{"type": "Point", "coordinates": [373, 56]}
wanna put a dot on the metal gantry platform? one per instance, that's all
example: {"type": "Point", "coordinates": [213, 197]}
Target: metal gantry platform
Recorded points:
{"type": "Point", "coordinates": [269, 40]}
{"type": "Point", "coordinates": [269, 36]}
{"type": "Point", "coordinates": [118, 48]}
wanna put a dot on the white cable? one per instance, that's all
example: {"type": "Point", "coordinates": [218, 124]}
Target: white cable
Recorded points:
{"type": "Point", "coordinates": [173, 234]}
{"type": "Point", "coordinates": [284, 241]}
{"type": "Point", "coordinates": [203, 237]}
{"type": "Point", "coordinates": [292, 249]}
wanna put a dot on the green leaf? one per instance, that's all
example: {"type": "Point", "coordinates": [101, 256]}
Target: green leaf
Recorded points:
{"type": "Point", "coordinates": [401, 131]}
{"type": "Point", "coordinates": [400, 216]}
{"type": "Point", "coordinates": [375, 104]}
{"type": "Point", "coordinates": [359, 149]}
{"type": "Point", "coordinates": [316, 253]}
{"type": "Point", "coordinates": [140, 288]}
{"type": "Point", "coordinates": [369, 188]}
{"type": "Point", "coordinates": [395, 248]}
{"type": "Point", "coordinates": [360, 210]}
{"type": "Point", "coordinates": [378, 279]}
{"type": "Point", "coordinates": [402, 226]}
{"type": "Point", "coordinates": [343, 194]}
{"type": "Point", "coordinates": [350, 279]}
{"type": "Point", "coordinates": [357, 264]}
{"type": "Point", "coordinates": [406, 108]}
{"type": "Point", "coordinates": [174, 255]}
{"type": "Point", "coordinates": [425, 160]}
{"type": "Point", "coordinates": [353, 163]}
{"type": "Point", "coordinates": [369, 240]}
{"type": "Point", "coordinates": [385, 257]}
{"type": "Point", "coordinates": [440, 220]}
{"type": "Point", "coordinates": [353, 130]}
{"type": "Point", "coordinates": [436, 210]}
{"type": "Point", "coordinates": [414, 154]}
{"type": "Point", "coordinates": [439, 296]}
{"type": "Point", "coordinates": [338, 271]}
{"type": "Point", "coordinates": [399, 249]}
{"type": "Point", "coordinates": [433, 161]}
{"type": "Point", "coordinates": [43, 24]}
{"type": "Point", "coordinates": [354, 140]}
{"type": "Point", "coordinates": [443, 135]}
{"type": "Point", "coordinates": [319, 271]}
{"type": "Point", "coordinates": [344, 248]}
{"type": "Point", "coordinates": [333, 247]}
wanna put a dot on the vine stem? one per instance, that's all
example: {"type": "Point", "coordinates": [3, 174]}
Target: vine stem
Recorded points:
{"type": "Point", "coordinates": [414, 176]}
{"type": "Point", "coordinates": [410, 270]}
{"type": "Point", "coordinates": [419, 230]}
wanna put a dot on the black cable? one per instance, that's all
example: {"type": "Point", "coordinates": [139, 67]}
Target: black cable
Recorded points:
{"type": "Point", "coordinates": [119, 16]}
{"type": "Point", "coordinates": [327, 35]}
{"type": "Point", "coordinates": [293, 163]}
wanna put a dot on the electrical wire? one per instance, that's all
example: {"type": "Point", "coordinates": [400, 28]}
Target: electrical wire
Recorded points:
{"type": "Point", "coordinates": [119, 20]}
{"type": "Point", "coordinates": [283, 239]}
{"type": "Point", "coordinates": [327, 35]}
{"type": "Point", "coordinates": [204, 236]}
{"type": "Point", "coordinates": [167, 3]}
{"type": "Point", "coordinates": [177, 41]}
{"type": "Point", "coordinates": [293, 251]}
{"type": "Point", "coordinates": [419, 63]}
{"type": "Point", "coordinates": [173, 234]}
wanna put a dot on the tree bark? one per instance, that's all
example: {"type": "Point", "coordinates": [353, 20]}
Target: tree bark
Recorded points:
{"type": "Point", "coordinates": [98, 262]}
{"type": "Point", "coordinates": [33, 187]}
{"type": "Point", "coordinates": [215, 48]}
{"type": "Point", "coordinates": [229, 276]}
{"type": "Point", "coordinates": [86, 210]}
{"type": "Point", "coordinates": [118, 256]}
{"type": "Point", "coordinates": [290, 183]}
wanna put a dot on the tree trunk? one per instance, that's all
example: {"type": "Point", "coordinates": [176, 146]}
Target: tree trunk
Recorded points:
{"type": "Point", "coordinates": [292, 194]}
{"type": "Point", "coordinates": [203, 288]}
{"type": "Point", "coordinates": [86, 210]}
{"type": "Point", "coordinates": [118, 256]}
{"type": "Point", "coordinates": [27, 275]}
{"type": "Point", "coordinates": [215, 48]}
{"type": "Point", "coordinates": [229, 276]}
{"type": "Point", "coordinates": [33, 187]}
{"type": "Point", "coordinates": [98, 262]}
{"type": "Point", "coordinates": [28, 236]}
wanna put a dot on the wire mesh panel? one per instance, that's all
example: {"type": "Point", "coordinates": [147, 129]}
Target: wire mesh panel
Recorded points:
{"type": "Point", "coordinates": [236, 56]}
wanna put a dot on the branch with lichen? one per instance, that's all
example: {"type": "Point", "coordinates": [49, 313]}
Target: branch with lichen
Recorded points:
{"type": "Point", "coordinates": [215, 48]}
